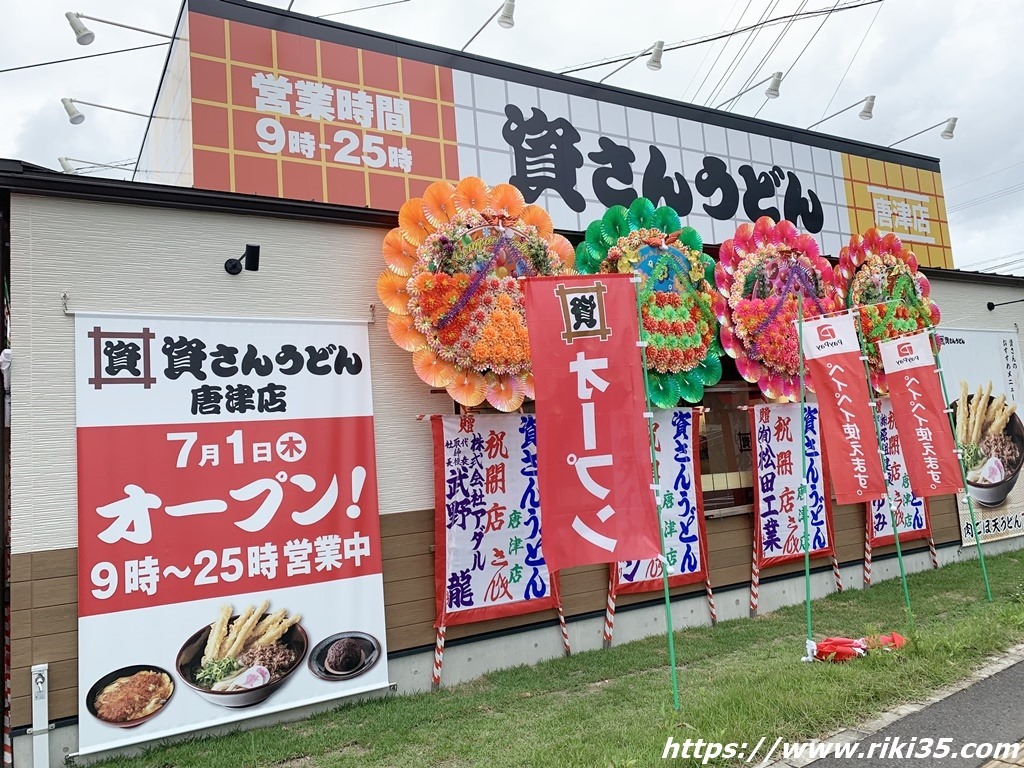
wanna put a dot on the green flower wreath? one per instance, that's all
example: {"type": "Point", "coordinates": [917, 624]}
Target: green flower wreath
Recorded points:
{"type": "Point", "coordinates": [676, 294]}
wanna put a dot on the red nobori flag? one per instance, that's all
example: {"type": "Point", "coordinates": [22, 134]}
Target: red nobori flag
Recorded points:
{"type": "Point", "coordinates": [847, 421]}
{"type": "Point", "coordinates": [593, 449]}
{"type": "Point", "coordinates": [920, 411]}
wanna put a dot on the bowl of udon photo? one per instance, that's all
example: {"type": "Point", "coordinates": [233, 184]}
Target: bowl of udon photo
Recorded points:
{"type": "Point", "coordinates": [241, 659]}
{"type": "Point", "coordinates": [991, 436]}
{"type": "Point", "coordinates": [130, 696]}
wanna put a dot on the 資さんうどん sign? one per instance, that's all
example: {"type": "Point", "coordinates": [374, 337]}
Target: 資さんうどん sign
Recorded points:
{"type": "Point", "coordinates": [293, 107]}
{"type": "Point", "coordinates": [229, 545]}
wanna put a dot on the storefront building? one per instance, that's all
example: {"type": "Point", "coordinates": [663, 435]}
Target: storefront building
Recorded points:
{"type": "Point", "coordinates": [306, 138]}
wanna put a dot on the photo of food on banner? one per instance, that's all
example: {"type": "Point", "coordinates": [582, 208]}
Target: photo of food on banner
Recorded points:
{"type": "Point", "coordinates": [983, 384]}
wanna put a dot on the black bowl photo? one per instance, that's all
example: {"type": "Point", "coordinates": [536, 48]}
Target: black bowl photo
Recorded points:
{"type": "Point", "coordinates": [994, 494]}
{"type": "Point", "coordinates": [191, 654]}
{"type": "Point", "coordinates": [115, 710]}
{"type": "Point", "coordinates": [344, 656]}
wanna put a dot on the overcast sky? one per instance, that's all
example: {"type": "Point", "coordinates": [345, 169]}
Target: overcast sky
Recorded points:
{"type": "Point", "coordinates": [925, 60]}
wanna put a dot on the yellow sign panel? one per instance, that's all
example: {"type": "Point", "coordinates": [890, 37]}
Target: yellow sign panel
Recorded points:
{"type": "Point", "coordinates": [908, 202]}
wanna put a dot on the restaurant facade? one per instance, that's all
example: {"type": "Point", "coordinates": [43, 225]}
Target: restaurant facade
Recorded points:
{"type": "Point", "coordinates": [306, 138]}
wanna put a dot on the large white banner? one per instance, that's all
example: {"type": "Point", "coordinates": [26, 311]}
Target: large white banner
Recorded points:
{"type": "Point", "coordinates": [229, 544]}
{"type": "Point", "coordinates": [676, 433]}
{"type": "Point", "coordinates": [488, 559]}
{"type": "Point", "coordinates": [908, 509]}
{"type": "Point", "coordinates": [780, 472]}
{"type": "Point", "coordinates": [984, 366]}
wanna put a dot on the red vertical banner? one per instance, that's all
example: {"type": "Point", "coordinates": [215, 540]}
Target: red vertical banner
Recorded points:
{"type": "Point", "coordinates": [920, 412]}
{"type": "Point", "coordinates": [847, 422]}
{"type": "Point", "coordinates": [593, 449]}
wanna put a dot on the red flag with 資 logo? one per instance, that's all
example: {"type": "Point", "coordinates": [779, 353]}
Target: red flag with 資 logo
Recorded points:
{"type": "Point", "coordinates": [593, 449]}
{"type": "Point", "coordinates": [847, 422]}
{"type": "Point", "coordinates": [920, 412]}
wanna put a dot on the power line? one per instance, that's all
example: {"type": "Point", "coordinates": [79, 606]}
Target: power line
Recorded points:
{"type": "Point", "coordinates": [708, 51]}
{"type": "Point", "coordinates": [738, 31]}
{"type": "Point", "coordinates": [773, 48]}
{"type": "Point", "coordinates": [985, 176]}
{"type": "Point", "coordinates": [741, 54]}
{"type": "Point", "coordinates": [79, 58]}
{"type": "Point", "coordinates": [986, 198]}
{"type": "Point", "coordinates": [1014, 264]}
{"type": "Point", "coordinates": [996, 258]}
{"type": "Point", "coordinates": [800, 55]}
{"type": "Point", "coordinates": [855, 54]}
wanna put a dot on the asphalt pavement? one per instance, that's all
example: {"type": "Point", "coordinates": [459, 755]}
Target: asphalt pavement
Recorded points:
{"type": "Point", "coordinates": [991, 710]}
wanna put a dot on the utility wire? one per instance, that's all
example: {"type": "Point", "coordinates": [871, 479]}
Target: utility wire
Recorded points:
{"type": "Point", "coordinates": [985, 176]}
{"type": "Point", "coordinates": [985, 198]}
{"type": "Point", "coordinates": [802, 52]}
{"type": "Point", "coordinates": [773, 48]}
{"type": "Point", "coordinates": [722, 36]}
{"type": "Point", "coordinates": [708, 51]}
{"type": "Point", "coordinates": [996, 258]}
{"type": "Point", "coordinates": [740, 55]}
{"type": "Point", "coordinates": [855, 53]}
{"type": "Point", "coordinates": [79, 58]}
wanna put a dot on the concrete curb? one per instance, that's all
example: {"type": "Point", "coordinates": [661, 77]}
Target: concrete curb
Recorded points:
{"type": "Point", "coordinates": [993, 665]}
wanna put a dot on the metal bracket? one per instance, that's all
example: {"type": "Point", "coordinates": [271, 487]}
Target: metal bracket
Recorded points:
{"type": "Point", "coordinates": [373, 314]}
{"type": "Point", "coordinates": [64, 302]}
{"type": "Point", "coordinates": [393, 687]}
{"type": "Point", "coordinates": [30, 731]}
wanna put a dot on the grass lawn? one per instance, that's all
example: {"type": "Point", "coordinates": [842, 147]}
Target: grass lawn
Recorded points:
{"type": "Point", "coordinates": [739, 681]}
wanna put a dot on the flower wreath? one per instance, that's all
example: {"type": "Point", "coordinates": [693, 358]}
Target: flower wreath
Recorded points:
{"type": "Point", "coordinates": [676, 295]}
{"type": "Point", "coordinates": [760, 273]}
{"type": "Point", "coordinates": [452, 290]}
{"type": "Point", "coordinates": [879, 277]}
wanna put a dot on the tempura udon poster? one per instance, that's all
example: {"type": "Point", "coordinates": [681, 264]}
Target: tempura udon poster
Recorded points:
{"type": "Point", "coordinates": [229, 544]}
{"type": "Point", "coordinates": [982, 372]}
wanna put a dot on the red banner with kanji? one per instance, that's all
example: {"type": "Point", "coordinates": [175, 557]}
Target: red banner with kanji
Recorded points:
{"type": "Point", "coordinates": [920, 411]}
{"type": "Point", "coordinates": [593, 449]}
{"type": "Point", "coordinates": [847, 422]}
{"type": "Point", "coordinates": [227, 488]}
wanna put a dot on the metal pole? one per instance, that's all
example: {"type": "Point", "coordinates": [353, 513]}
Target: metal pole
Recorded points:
{"type": "Point", "coordinates": [963, 477]}
{"type": "Point", "coordinates": [803, 476]}
{"type": "Point", "coordinates": [876, 415]}
{"type": "Point", "coordinates": [669, 628]}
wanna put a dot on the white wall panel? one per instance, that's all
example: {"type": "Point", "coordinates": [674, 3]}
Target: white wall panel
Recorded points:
{"type": "Point", "coordinates": [113, 258]}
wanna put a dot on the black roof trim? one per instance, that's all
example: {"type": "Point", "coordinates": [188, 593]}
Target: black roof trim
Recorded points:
{"type": "Point", "coordinates": [26, 178]}
{"type": "Point", "coordinates": [968, 276]}
{"type": "Point", "coordinates": [311, 26]}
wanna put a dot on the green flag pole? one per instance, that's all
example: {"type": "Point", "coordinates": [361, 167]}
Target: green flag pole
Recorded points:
{"type": "Point", "coordinates": [803, 479]}
{"type": "Point", "coordinates": [963, 476]}
{"type": "Point", "coordinates": [669, 627]}
{"type": "Point", "coordinates": [876, 416]}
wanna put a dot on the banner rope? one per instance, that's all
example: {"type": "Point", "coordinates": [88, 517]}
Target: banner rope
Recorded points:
{"type": "Point", "coordinates": [609, 611]}
{"type": "Point", "coordinates": [867, 546]}
{"type": "Point", "coordinates": [435, 678]}
{"type": "Point", "coordinates": [711, 602]}
{"type": "Point", "coordinates": [755, 578]}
